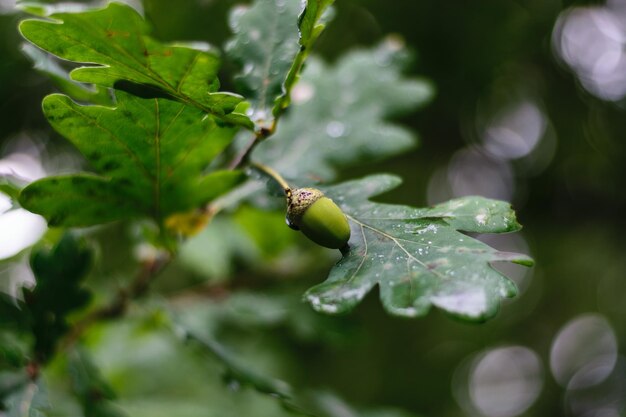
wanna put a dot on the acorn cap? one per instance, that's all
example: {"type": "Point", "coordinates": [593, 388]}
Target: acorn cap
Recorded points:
{"type": "Point", "coordinates": [298, 201]}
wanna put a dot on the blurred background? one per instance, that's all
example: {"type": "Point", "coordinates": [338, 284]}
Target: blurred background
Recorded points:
{"type": "Point", "coordinates": [529, 108]}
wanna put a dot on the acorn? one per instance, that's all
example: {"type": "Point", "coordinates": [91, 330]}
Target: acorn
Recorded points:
{"type": "Point", "coordinates": [318, 217]}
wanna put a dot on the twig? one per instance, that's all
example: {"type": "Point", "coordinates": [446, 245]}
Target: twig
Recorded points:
{"type": "Point", "coordinates": [150, 269]}
{"type": "Point", "coordinates": [259, 137]}
{"type": "Point", "coordinates": [271, 172]}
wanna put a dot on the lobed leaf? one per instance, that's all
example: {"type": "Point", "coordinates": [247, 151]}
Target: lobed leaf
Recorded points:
{"type": "Point", "coordinates": [338, 114]}
{"type": "Point", "coordinates": [150, 153]}
{"type": "Point", "coordinates": [418, 256]}
{"type": "Point", "coordinates": [265, 44]}
{"type": "Point", "coordinates": [115, 42]}
{"type": "Point", "coordinates": [59, 272]}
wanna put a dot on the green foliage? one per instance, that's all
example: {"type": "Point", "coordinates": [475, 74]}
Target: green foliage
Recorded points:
{"type": "Point", "coordinates": [42, 316]}
{"type": "Point", "coordinates": [158, 138]}
{"type": "Point", "coordinates": [264, 44]}
{"type": "Point", "coordinates": [93, 393]}
{"type": "Point", "coordinates": [338, 114]}
{"type": "Point", "coordinates": [151, 154]}
{"type": "Point", "coordinates": [59, 272]}
{"type": "Point", "coordinates": [418, 257]}
{"type": "Point", "coordinates": [309, 21]}
{"type": "Point", "coordinates": [115, 39]}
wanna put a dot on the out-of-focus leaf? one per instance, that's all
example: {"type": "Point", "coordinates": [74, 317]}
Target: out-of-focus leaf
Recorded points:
{"type": "Point", "coordinates": [150, 153]}
{"type": "Point", "coordinates": [330, 405]}
{"type": "Point", "coordinates": [250, 311]}
{"type": "Point", "coordinates": [46, 64]}
{"type": "Point", "coordinates": [252, 235]}
{"type": "Point", "coordinates": [155, 374]}
{"type": "Point", "coordinates": [418, 257]}
{"type": "Point", "coordinates": [310, 26]}
{"type": "Point", "coordinates": [59, 272]}
{"type": "Point", "coordinates": [265, 43]}
{"type": "Point", "coordinates": [266, 229]}
{"type": "Point", "coordinates": [338, 114]}
{"type": "Point", "coordinates": [212, 252]}
{"type": "Point", "coordinates": [9, 188]}
{"type": "Point", "coordinates": [92, 391]}
{"type": "Point", "coordinates": [114, 42]}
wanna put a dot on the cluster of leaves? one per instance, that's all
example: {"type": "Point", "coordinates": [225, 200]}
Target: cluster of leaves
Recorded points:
{"type": "Point", "coordinates": [151, 154]}
{"type": "Point", "coordinates": [41, 319]}
{"type": "Point", "coordinates": [150, 120]}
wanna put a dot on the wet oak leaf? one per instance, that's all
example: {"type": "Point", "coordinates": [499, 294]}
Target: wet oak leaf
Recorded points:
{"type": "Point", "coordinates": [149, 156]}
{"type": "Point", "coordinates": [114, 42]}
{"type": "Point", "coordinates": [418, 256]}
{"type": "Point", "coordinates": [339, 114]}
{"type": "Point", "coordinates": [264, 44]}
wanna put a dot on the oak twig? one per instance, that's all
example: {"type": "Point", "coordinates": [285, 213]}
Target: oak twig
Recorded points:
{"type": "Point", "coordinates": [117, 307]}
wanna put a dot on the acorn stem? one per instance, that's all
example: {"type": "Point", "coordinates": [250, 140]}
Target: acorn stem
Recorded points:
{"type": "Point", "coordinates": [275, 175]}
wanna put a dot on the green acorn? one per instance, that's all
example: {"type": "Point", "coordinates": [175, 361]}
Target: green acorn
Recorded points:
{"type": "Point", "coordinates": [318, 217]}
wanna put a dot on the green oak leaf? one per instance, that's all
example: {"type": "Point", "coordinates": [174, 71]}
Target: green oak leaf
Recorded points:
{"type": "Point", "coordinates": [311, 23]}
{"type": "Point", "coordinates": [418, 256]}
{"type": "Point", "coordinates": [265, 43]}
{"type": "Point", "coordinates": [59, 272]}
{"type": "Point", "coordinates": [338, 114]}
{"type": "Point", "coordinates": [150, 153]}
{"type": "Point", "coordinates": [115, 42]}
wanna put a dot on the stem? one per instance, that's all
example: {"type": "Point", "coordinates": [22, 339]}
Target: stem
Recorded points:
{"type": "Point", "coordinates": [150, 269]}
{"type": "Point", "coordinates": [275, 176]}
{"type": "Point", "coordinates": [240, 373]}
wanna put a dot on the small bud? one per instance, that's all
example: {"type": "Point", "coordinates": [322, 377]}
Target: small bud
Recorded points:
{"type": "Point", "coordinates": [318, 217]}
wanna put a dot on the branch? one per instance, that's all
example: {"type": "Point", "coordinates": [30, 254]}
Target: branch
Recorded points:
{"type": "Point", "coordinates": [149, 270]}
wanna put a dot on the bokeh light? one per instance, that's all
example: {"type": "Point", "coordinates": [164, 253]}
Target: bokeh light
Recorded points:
{"type": "Point", "coordinates": [583, 352]}
{"type": "Point", "coordinates": [499, 382]}
{"type": "Point", "coordinates": [590, 40]}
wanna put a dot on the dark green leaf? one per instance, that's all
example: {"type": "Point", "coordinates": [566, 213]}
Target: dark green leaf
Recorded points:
{"type": "Point", "coordinates": [150, 153]}
{"type": "Point", "coordinates": [418, 257]}
{"type": "Point", "coordinates": [338, 113]}
{"type": "Point", "coordinates": [265, 44]}
{"type": "Point", "coordinates": [59, 273]}
{"type": "Point", "coordinates": [114, 42]}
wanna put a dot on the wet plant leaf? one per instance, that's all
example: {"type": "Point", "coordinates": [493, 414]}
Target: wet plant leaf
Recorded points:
{"type": "Point", "coordinates": [264, 44]}
{"type": "Point", "coordinates": [150, 155]}
{"type": "Point", "coordinates": [114, 42]}
{"type": "Point", "coordinates": [338, 115]}
{"type": "Point", "coordinates": [418, 257]}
